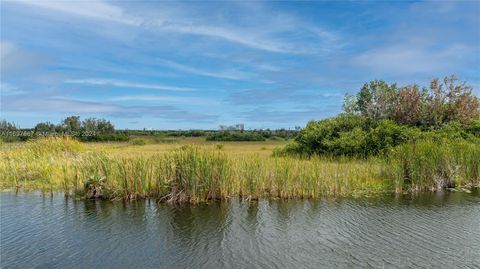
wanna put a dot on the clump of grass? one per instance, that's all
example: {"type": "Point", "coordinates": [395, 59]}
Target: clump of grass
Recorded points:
{"type": "Point", "coordinates": [219, 146]}
{"type": "Point", "coordinates": [138, 142]}
{"type": "Point", "coordinates": [40, 164]}
{"type": "Point", "coordinates": [430, 165]}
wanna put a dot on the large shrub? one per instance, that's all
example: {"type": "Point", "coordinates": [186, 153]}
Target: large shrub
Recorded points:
{"type": "Point", "coordinates": [351, 135]}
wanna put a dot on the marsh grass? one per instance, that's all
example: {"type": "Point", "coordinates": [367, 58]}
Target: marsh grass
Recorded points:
{"type": "Point", "coordinates": [192, 173]}
{"type": "Point", "coordinates": [431, 165]}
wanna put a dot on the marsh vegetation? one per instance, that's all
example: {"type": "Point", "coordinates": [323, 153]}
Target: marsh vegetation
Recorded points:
{"type": "Point", "coordinates": [193, 173]}
{"type": "Point", "coordinates": [388, 139]}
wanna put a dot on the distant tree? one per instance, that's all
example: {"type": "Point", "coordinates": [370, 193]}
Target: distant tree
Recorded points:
{"type": "Point", "coordinates": [7, 126]}
{"type": "Point", "coordinates": [101, 126]}
{"type": "Point", "coordinates": [72, 123]}
{"type": "Point", "coordinates": [376, 99]}
{"type": "Point", "coordinates": [89, 124]}
{"type": "Point", "coordinates": [45, 127]}
{"type": "Point", "coordinates": [105, 127]}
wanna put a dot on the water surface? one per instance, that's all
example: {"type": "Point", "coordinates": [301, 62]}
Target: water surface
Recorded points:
{"type": "Point", "coordinates": [439, 230]}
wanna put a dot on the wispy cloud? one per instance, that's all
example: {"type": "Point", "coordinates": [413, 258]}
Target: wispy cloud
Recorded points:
{"type": "Point", "coordinates": [13, 58]}
{"type": "Point", "coordinates": [228, 74]}
{"type": "Point", "coordinates": [76, 106]}
{"type": "Point", "coordinates": [126, 84]}
{"type": "Point", "coordinates": [411, 59]}
{"type": "Point", "coordinates": [277, 62]}
{"type": "Point", "coordinates": [90, 9]}
{"type": "Point", "coordinates": [277, 95]}
{"type": "Point", "coordinates": [261, 38]}
{"type": "Point", "coordinates": [169, 99]}
{"type": "Point", "coordinates": [8, 89]}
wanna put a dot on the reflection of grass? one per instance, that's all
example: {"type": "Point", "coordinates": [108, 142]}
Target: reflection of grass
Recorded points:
{"type": "Point", "coordinates": [202, 171]}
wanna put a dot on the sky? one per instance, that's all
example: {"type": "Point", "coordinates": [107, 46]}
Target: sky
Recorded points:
{"type": "Point", "coordinates": [198, 65]}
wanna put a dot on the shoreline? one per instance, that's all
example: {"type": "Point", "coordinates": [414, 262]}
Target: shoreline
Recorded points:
{"type": "Point", "coordinates": [364, 195]}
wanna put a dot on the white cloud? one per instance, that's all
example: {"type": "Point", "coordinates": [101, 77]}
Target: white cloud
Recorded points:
{"type": "Point", "coordinates": [9, 89]}
{"type": "Point", "coordinates": [13, 58]}
{"type": "Point", "coordinates": [410, 59]}
{"type": "Point", "coordinates": [229, 74]}
{"type": "Point", "coordinates": [260, 37]}
{"type": "Point", "coordinates": [164, 98]}
{"type": "Point", "coordinates": [89, 9]}
{"type": "Point", "coordinates": [56, 105]}
{"type": "Point", "coordinates": [126, 84]}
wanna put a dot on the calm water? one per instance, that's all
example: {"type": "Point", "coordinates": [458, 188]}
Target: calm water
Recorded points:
{"type": "Point", "coordinates": [428, 231]}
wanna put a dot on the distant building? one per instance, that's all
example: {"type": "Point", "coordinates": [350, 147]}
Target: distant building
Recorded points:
{"type": "Point", "coordinates": [236, 127]}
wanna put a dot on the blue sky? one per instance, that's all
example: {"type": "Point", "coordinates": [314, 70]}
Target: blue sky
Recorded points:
{"type": "Point", "coordinates": [188, 65]}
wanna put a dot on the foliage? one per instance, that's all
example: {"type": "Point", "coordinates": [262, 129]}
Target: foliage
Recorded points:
{"type": "Point", "coordinates": [355, 135]}
{"type": "Point", "coordinates": [104, 138]}
{"type": "Point", "coordinates": [376, 99]}
{"type": "Point", "coordinates": [7, 126]}
{"type": "Point", "coordinates": [235, 136]}
{"type": "Point", "coordinates": [442, 102]}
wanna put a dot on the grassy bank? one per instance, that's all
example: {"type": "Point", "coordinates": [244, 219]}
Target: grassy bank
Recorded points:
{"type": "Point", "coordinates": [202, 172]}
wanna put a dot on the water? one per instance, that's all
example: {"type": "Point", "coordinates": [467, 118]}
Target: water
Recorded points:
{"type": "Point", "coordinates": [428, 231]}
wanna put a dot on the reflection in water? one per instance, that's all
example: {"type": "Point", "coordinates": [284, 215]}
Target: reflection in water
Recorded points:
{"type": "Point", "coordinates": [438, 230]}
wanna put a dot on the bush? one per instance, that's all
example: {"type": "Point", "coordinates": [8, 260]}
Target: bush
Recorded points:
{"type": "Point", "coordinates": [350, 135]}
{"type": "Point", "coordinates": [138, 142]}
{"type": "Point", "coordinates": [353, 135]}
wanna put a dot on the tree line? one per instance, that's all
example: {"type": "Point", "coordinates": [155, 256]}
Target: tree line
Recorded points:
{"type": "Point", "coordinates": [90, 129]}
{"type": "Point", "coordinates": [382, 116]}
{"type": "Point", "coordinates": [444, 101]}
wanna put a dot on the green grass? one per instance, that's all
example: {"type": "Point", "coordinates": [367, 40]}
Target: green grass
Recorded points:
{"type": "Point", "coordinates": [200, 172]}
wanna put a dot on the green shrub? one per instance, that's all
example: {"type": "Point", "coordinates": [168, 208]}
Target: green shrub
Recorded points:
{"type": "Point", "coordinates": [138, 142]}
{"type": "Point", "coordinates": [351, 135]}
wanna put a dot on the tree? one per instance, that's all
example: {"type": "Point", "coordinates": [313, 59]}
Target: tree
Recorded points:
{"type": "Point", "coordinates": [105, 127]}
{"type": "Point", "coordinates": [407, 106]}
{"type": "Point", "coordinates": [376, 99]}
{"type": "Point", "coordinates": [350, 104]}
{"type": "Point", "coordinates": [442, 102]}
{"type": "Point", "coordinates": [89, 125]}
{"type": "Point", "coordinates": [7, 126]}
{"type": "Point", "coordinates": [72, 123]}
{"type": "Point", "coordinates": [44, 127]}
{"type": "Point", "coordinates": [101, 126]}
{"type": "Point", "coordinates": [462, 105]}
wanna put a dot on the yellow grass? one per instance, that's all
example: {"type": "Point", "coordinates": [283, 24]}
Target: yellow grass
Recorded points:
{"type": "Point", "coordinates": [261, 148]}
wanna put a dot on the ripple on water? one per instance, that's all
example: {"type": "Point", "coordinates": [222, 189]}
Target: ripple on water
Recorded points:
{"type": "Point", "coordinates": [430, 230]}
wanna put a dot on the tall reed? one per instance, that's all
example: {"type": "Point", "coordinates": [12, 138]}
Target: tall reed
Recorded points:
{"type": "Point", "coordinates": [432, 165]}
